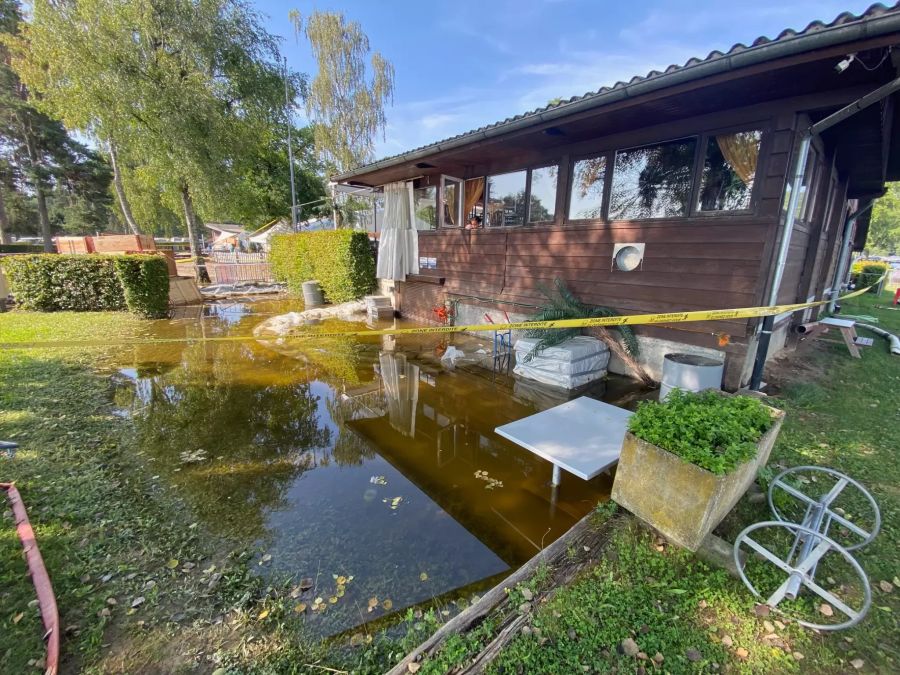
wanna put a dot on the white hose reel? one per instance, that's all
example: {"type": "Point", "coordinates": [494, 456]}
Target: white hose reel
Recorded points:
{"type": "Point", "coordinates": [810, 541]}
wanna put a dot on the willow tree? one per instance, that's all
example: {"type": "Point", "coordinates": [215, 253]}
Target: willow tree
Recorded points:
{"type": "Point", "coordinates": [184, 91]}
{"type": "Point", "coordinates": [348, 94]}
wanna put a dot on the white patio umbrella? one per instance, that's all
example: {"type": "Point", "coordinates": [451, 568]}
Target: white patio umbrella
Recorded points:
{"type": "Point", "coordinates": [398, 244]}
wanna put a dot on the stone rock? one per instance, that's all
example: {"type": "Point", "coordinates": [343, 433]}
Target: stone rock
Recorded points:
{"type": "Point", "coordinates": [525, 607]}
{"type": "Point", "coordinates": [658, 658]}
{"type": "Point", "coordinates": [693, 655]}
{"type": "Point", "coordinates": [630, 647]}
{"type": "Point", "coordinates": [762, 610]}
{"type": "Point", "coordinates": [728, 641]}
{"type": "Point", "coordinates": [798, 656]}
{"type": "Point", "coordinates": [769, 627]}
{"type": "Point", "coordinates": [527, 594]}
{"type": "Point", "coordinates": [857, 663]}
{"type": "Point", "coordinates": [572, 634]}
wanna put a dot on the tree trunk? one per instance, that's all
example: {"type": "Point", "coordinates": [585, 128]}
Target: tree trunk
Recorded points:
{"type": "Point", "coordinates": [120, 189]}
{"type": "Point", "coordinates": [190, 219]}
{"type": "Point", "coordinates": [40, 197]}
{"type": "Point", "coordinates": [4, 221]}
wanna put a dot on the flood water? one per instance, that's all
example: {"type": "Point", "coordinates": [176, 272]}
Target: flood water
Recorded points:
{"type": "Point", "coordinates": [361, 460]}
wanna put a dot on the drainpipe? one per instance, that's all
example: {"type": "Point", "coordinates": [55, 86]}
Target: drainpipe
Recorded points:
{"type": "Point", "coordinates": [765, 335]}
{"type": "Point", "coordinates": [844, 259]}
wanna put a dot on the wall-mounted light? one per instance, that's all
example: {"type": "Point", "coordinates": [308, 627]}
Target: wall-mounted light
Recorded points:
{"type": "Point", "coordinates": [845, 63]}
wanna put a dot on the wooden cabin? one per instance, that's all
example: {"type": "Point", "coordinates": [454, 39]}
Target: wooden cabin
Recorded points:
{"type": "Point", "coordinates": [699, 169]}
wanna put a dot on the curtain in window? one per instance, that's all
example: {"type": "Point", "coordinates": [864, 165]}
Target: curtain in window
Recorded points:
{"type": "Point", "coordinates": [474, 191]}
{"type": "Point", "coordinates": [398, 244]}
{"type": "Point", "coordinates": [741, 152]}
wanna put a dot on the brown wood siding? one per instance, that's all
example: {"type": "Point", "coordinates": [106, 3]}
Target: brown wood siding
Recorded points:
{"type": "Point", "coordinates": [695, 263]}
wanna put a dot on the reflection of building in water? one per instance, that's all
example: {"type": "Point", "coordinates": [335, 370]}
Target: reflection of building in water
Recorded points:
{"type": "Point", "coordinates": [437, 429]}
{"type": "Point", "coordinates": [401, 390]}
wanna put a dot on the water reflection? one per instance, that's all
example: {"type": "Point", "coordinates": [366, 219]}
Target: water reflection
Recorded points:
{"type": "Point", "coordinates": [345, 458]}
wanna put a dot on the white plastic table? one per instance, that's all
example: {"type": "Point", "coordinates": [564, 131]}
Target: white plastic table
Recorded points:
{"type": "Point", "coordinates": [582, 436]}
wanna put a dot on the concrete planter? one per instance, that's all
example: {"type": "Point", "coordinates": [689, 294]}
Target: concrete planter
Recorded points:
{"type": "Point", "coordinates": [681, 500]}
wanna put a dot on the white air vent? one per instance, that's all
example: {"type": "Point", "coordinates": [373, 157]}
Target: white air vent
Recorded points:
{"type": "Point", "coordinates": [627, 257]}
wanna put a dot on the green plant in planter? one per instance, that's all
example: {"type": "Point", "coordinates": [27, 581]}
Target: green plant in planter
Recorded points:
{"type": "Point", "coordinates": [715, 432]}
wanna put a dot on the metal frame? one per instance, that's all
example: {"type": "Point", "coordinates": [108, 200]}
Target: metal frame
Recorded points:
{"type": "Point", "coordinates": [811, 544]}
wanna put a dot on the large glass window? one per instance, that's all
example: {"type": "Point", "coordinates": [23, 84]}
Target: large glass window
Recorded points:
{"type": "Point", "coordinates": [542, 207]}
{"type": "Point", "coordinates": [586, 196]}
{"type": "Point", "coordinates": [425, 204]}
{"type": "Point", "coordinates": [729, 169]}
{"type": "Point", "coordinates": [653, 181]}
{"type": "Point", "coordinates": [506, 199]}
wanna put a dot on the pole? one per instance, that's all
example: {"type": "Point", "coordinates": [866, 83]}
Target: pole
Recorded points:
{"type": "Point", "coordinates": [290, 144]}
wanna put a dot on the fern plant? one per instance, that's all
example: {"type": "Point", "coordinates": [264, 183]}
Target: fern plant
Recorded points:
{"type": "Point", "coordinates": [562, 304]}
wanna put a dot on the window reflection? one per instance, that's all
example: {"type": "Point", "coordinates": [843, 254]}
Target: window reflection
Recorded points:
{"type": "Point", "coordinates": [543, 194]}
{"type": "Point", "coordinates": [586, 198]}
{"type": "Point", "coordinates": [506, 199]}
{"type": "Point", "coordinates": [653, 181]}
{"type": "Point", "coordinates": [729, 169]}
{"type": "Point", "coordinates": [425, 204]}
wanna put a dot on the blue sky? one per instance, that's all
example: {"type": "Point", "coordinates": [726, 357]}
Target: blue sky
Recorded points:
{"type": "Point", "coordinates": [466, 63]}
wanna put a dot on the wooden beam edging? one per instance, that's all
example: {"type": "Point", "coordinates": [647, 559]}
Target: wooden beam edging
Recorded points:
{"type": "Point", "coordinates": [478, 611]}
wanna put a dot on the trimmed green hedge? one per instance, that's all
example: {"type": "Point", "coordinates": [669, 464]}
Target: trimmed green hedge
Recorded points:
{"type": "Point", "coordinates": [340, 260]}
{"type": "Point", "coordinates": [21, 248]}
{"type": "Point", "coordinates": [89, 283]}
{"type": "Point", "coordinates": [867, 272]}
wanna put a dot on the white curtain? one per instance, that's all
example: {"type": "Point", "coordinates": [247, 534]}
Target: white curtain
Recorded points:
{"type": "Point", "coordinates": [398, 243]}
{"type": "Point", "coordinates": [401, 389]}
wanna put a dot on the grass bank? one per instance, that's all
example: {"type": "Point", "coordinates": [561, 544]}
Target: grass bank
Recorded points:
{"type": "Point", "coordinates": [684, 616]}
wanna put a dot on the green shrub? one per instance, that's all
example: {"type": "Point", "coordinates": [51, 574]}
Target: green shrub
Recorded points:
{"type": "Point", "coordinates": [21, 248]}
{"type": "Point", "coordinates": [340, 260]}
{"type": "Point", "coordinates": [715, 432]}
{"type": "Point", "coordinates": [89, 283]}
{"type": "Point", "coordinates": [51, 283]}
{"type": "Point", "coordinates": [868, 272]}
{"type": "Point", "coordinates": [145, 282]}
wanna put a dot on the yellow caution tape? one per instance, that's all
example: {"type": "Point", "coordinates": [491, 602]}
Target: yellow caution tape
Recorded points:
{"type": "Point", "coordinates": [625, 320]}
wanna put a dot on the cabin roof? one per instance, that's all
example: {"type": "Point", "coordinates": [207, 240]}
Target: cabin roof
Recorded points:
{"type": "Point", "coordinates": [846, 28]}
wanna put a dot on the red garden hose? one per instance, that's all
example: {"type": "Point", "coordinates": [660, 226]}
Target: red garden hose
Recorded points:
{"type": "Point", "coordinates": [39, 577]}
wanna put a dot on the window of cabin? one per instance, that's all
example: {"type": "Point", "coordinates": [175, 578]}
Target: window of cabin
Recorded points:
{"type": "Point", "coordinates": [586, 192]}
{"type": "Point", "coordinates": [653, 181]}
{"type": "Point", "coordinates": [474, 206]}
{"type": "Point", "coordinates": [729, 171]}
{"type": "Point", "coordinates": [425, 207]}
{"type": "Point", "coordinates": [542, 195]}
{"type": "Point", "coordinates": [803, 198]}
{"type": "Point", "coordinates": [451, 201]}
{"type": "Point", "coordinates": [506, 203]}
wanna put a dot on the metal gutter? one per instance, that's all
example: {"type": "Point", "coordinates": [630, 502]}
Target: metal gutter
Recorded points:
{"type": "Point", "coordinates": [715, 64]}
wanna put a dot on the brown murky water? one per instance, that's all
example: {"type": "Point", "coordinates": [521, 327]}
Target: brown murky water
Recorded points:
{"type": "Point", "coordinates": [360, 460]}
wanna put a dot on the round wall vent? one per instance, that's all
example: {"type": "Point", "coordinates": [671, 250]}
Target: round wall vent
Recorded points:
{"type": "Point", "coordinates": [628, 257]}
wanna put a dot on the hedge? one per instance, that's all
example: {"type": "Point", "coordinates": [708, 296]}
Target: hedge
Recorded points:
{"type": "Point", "coordinates": [89, 283]}
{"type": "Point", "coordinates": [340, 260]}
{"type": "Point", "coordinates": [867, 272]}
{"type": "Point", "coordinates": [21, 248]}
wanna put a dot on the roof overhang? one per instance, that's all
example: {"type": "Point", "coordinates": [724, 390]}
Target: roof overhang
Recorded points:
{"type": "Point", "coordinates": [792, 65]}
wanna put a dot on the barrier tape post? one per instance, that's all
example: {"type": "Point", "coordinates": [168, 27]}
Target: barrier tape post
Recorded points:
{"type": "Point", "coordinates": [622, 320]}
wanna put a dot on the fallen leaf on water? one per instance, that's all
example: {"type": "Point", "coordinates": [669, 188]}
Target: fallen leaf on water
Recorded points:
{"type": "Point", "coordinates": [387, 604]}
{"type": "Point", "coordinates": [266, 558]}
{"type": "Point", "coordinates": [342, 580]}
{"type": "Point", "coordinates": [423, 576]}
{"type": "Point", "coordinates": [357, 639]}
{"type": "Point", "coordinates": [340, 592]}
{"type": "Point", "coordinates": [373, 603]}
{"type": "Point", "coordinates": [300, 608]}
{"type": "Point", "coordinates": [295, 592]}
{"type": "Point", "coordinates": [333, 599]}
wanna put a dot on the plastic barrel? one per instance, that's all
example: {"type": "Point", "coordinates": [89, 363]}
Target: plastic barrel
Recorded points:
{"type": "Point", "coordinates": [312, 294]}
{"type": "Point", "coordinates": [690, 372]}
